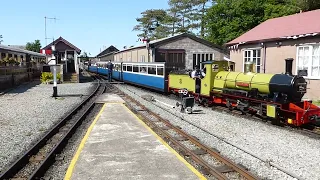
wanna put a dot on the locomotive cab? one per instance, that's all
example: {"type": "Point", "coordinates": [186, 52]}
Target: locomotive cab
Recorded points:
{"type": "Point", "coordinates": [212, 68]}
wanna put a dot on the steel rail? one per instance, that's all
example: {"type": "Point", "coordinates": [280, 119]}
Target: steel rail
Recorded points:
{"type": "Point", "coordinates": [194, 156]}
{"type": "Point", "coordinates": [24, 159]}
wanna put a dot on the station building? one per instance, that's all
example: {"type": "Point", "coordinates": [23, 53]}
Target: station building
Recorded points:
{"type": "Point", "coordinates": [67, 58]}
{"type": "Point", "coordinates": [270, 43]}
{"type": "Point", "coordinates": [182, 51]}
{"type": "Point", "coordinates": [107, 54]}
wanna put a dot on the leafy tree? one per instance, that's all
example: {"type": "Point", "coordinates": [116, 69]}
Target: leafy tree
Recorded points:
{"type": "Point", "coordinates": [307, 5]}
{"type": "Point", "coordinates": [34, 46]}
{"type": "Point", "coordinates": [279, 8]}
{"type": "Point", "coordinates": [84, 56]}
{"type": "Point", "coordinates": [229, 19]}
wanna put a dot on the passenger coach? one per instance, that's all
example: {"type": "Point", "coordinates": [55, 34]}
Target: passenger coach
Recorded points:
{"type": "Point", "coordinates": [149, 75]}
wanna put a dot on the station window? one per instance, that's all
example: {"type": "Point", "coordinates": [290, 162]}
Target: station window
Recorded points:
{"type": "Point", "coordinates": [160, 71]}
{"type": "Point", "coordinates": [152, 70]}
{"type": "Point", "coordinates": [198, 58]}
{"type": "Point", "coordinates": [135, 68]}
{"type": "Point", "coordinates": [129, 68]}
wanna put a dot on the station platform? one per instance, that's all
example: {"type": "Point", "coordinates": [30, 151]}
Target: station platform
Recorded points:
{"type": "Point", "coordinates": [118, 145]}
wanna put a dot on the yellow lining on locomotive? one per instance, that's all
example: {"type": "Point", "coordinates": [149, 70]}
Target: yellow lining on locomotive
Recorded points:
{"type": "Point", "coordinates": [271, 111]}
{"type": "Point", "coordinates": [184, 81]}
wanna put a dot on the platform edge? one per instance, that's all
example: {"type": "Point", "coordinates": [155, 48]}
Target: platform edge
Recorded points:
{"type": "Point", "coordinates": [82, 143]}
{"type": "Point", "coordinates": [189, 166]}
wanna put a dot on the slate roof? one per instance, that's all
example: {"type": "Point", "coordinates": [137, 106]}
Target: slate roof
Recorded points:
{"type": "Point", "coordinates": [15, 49]}
{"type": "Point", "coordinates": [60, 39]}
{"type": "Point", "coordinates": [161, 41]}
{"type": "Point", "coordinates": [108, 51]}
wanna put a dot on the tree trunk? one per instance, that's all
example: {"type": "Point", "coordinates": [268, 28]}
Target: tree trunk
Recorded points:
{"type": "Point", "coordinates": [202, 23]}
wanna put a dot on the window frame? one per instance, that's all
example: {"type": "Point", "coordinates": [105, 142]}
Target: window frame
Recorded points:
{"type": "Point", "coordinates": [198, 58]}
{"type": "Point", "coordinates": [251, 58]}
{"type": "Point", "coordinates": [310, 56]}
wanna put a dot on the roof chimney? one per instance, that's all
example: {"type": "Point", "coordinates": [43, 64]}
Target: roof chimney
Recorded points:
{"type": "Point", "coordinates": [289, 66]}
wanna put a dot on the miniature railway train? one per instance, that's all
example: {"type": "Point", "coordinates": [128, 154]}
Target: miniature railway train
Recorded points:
{"type": "Point", "coordinates": [277, 97]}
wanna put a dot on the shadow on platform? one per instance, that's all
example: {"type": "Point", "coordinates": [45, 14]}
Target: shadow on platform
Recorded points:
{"type": "Point", "coordinates": [72, 95]}
{"type": "Point", "coordinates": [85, 77]}
{"type": "Point", "coordinates": [20, 88]}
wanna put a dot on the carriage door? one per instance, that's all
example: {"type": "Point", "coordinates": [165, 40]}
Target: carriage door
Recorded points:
{"type": "Point", "coordinates": [121, 72]}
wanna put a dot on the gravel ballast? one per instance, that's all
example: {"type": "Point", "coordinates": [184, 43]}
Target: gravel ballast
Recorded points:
{"type": "Point", "coordinates": [29, 111]}
{"type": "Point", "coordinates": [292, 151]}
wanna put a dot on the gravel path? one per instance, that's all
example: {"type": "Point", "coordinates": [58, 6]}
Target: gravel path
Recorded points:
{"type": "Point", "coordinates": [27, 112]}
{"type": "Point", "coordinates": [294, 152]}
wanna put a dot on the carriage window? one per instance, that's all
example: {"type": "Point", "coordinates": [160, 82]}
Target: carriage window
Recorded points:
{"type": "Point", "coordinates": [129, 68]}
{"type": "Point", "coordinates": [124, 67]}
{"type": "Point", "coordinates": [152, 70]}
{"type": "Point", "coordinates": [116, 67]}
{"type": "Point", "coordinates": [143, 69]}
{"type": "Point", "coordinates": [160, 71]}
{"type": "Point", "coordinates": [135, 68]}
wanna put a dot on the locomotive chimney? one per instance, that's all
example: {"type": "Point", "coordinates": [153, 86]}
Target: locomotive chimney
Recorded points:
{"type": "Point", "coordinates": [289, 66]}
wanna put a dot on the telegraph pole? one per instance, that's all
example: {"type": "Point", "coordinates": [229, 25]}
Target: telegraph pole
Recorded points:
{"type": "Point", "coordinates": [45, 26]}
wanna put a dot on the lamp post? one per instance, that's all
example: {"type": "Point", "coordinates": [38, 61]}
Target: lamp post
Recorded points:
{"type": "Point", "coordinates": [55, 56]}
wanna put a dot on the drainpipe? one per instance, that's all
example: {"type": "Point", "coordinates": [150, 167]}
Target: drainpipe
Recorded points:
{"type": "Point", "coordinates": [264, 57]}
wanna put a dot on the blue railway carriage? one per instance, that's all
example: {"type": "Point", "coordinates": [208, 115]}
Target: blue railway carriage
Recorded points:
{"type": "Point", "coordinates": [149, 75]}
{"type": "Point", "coordinates": [117, 71]}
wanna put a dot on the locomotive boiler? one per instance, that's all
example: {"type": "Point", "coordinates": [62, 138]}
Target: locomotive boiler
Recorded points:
{"type": "Point", "coordinates": [273, 87]}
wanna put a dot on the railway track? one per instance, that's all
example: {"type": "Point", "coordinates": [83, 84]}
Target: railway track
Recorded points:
{"type": "Point", "coordinates": [37, 160]}
{"type": "Point", "coordinates": [225, 168]}
{"type": "Point", "coordinates": [315, 133]}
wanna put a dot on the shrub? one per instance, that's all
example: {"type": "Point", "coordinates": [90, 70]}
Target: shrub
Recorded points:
{"type": "Point", "coordinates": [12, 60]}
{"type": "Point", "coordinates": [48, 76]}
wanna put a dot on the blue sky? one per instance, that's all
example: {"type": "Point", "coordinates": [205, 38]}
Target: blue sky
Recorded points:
{"type": "Point", "coordinates": [88, 24]}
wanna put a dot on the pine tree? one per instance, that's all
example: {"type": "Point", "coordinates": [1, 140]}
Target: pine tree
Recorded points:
{"type": "Point", "coordinates": [152, 24]}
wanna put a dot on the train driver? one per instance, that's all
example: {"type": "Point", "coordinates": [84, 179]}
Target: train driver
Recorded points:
{"type": "Point", "coordinates": [197, 73]}
{"type": "Point", "coordinates": [110, 68]}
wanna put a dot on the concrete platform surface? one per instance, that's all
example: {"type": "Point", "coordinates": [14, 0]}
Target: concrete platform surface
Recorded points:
{"type": "Point", "coordinates": [121, 146]}
{"type": "Point", "coordinates": [109, 98]}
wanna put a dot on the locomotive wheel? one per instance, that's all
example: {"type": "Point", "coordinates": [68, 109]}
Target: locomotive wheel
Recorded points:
{"type": "Point", "coordinates": [205, 102]}
{"type": "Point", "coordinates": [177, 104]}
{"type": "Point", "coordinates": [189, 110]}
